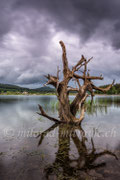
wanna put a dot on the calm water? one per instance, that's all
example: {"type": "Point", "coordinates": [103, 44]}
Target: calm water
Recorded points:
{"type": "Point", "coordinates": [32, 147]}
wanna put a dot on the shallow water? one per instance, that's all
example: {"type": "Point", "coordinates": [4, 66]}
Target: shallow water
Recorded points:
{"type": "Point", "coordinates": [32, 147]}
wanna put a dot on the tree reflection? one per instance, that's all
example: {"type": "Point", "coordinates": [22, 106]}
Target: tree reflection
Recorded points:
{"type": "Point", "coordinates": [66, 166]}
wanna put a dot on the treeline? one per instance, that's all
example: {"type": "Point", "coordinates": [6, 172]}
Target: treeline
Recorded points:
{"type": "Point", "coordinates": [8, 88]}
{"type": "Point", "coordinates": [13, 89]}
{"type": "Point", "coordinates": [114, 90]}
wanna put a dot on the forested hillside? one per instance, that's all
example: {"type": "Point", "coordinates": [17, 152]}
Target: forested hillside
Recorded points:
{"type": "Point", "coordinates": [6, 88]}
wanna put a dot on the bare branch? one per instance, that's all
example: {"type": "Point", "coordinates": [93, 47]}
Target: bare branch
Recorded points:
{"type": "Point", "coordinates": [43, 113]}
{"type": "Point", "coordinates": [83, 64]}
{"type": "Point", "coordinates": [78, 83]}
{"type": "Point", "coordinates": [46, 83]}
{"type": "Point", "coordinates": [82, 108]}
{"type": "Point", "coordinates": [90, 89]}
{"type": "Point", "coordinates": [72, 89]}
{"type": "Point", "coordinates": [77, 66]}
{"type": "Point", "coordinates": [64, 59]}
{"type": "Point", "coordinates": [103, 89]}
{"type": "Point", "coordinates": [89, 60]}
{"type": "Point", "coordinates": [88, 77]}
{"type": "Point", "coordinates": [52, 80]}
{"type": "Point", "coordinates": [58, 70]}
{"type": "Point", "coordinates": [84, 98]}
{"type": "Point", "coordinates": [85, 68]}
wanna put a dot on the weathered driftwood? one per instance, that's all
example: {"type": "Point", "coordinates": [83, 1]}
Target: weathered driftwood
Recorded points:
{"type": "Point", "coordinates": [67, 112]}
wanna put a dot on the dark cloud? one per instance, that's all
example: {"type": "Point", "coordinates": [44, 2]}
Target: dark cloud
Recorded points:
{"type": "Point", "coordinates": [31, 29]}
{"type": "Point", "coordinates": [5, 17]}
{"type": "Point", "coordinates": [83, 17]}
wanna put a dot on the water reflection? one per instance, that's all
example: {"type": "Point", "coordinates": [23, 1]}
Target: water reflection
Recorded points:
{"type": "Point", "coordinates": [108, 100]}
{"type": "Point", "coordinates": [77, 155]}
{"type": "Point", "coordinates": [96, 108]}
{"type": "Point", "coordinates": [68, 166]}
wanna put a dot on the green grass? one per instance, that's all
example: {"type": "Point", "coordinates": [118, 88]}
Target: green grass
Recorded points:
{"type": "Point", "coordinates": [19, 93]}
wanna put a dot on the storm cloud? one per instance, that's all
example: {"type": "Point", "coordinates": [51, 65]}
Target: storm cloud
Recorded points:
{"type": "Point", "coordinates": [30, 31]}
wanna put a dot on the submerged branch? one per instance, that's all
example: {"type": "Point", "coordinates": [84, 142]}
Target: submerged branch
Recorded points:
{"type": "Point", "coordinates": [43, 113]}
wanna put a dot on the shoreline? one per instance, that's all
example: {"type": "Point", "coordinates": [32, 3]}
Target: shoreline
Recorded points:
{"type": "Point", "coordinates": [53, 94]}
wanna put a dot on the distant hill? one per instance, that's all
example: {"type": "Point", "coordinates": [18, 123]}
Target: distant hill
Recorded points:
{"type": "Point", "coordinates": [10, 87]}
{"type": "Point", "coordinates": [45, 89]}
{"type": "Point", "coordinates": [14, 88]}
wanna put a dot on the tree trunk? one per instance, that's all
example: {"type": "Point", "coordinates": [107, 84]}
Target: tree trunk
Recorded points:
{"type": "Point", "coordinates": [65, 114]}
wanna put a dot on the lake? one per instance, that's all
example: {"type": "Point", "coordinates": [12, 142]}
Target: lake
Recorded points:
{"type": "Point", "coordinates": [33, 147]}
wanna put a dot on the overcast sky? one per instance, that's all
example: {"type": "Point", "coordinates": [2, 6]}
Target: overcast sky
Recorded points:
{"type": "Point", "coordinates": [30, 31]}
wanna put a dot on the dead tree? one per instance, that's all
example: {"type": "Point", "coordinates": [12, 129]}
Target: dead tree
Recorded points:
{"type": "Point", "coordinates": [67, 111]}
